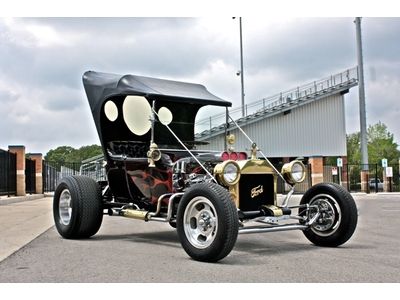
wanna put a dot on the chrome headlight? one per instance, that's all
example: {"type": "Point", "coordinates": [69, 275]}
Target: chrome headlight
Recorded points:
{"type": "Point", "coordinates": [227, 172]}
{"type": "Point", "coordinates": [294, 172]}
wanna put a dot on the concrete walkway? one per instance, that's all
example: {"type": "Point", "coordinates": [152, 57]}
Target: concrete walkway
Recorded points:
{"type": "Point", "coordinates": [21, 222]}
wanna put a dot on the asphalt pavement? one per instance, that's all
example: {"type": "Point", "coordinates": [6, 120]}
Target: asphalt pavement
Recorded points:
{"type": "Point", "coordinates": [128, 250]}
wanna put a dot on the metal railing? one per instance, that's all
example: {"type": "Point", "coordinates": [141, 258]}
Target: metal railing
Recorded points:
{"type": "Point", "coordinates": [279, 101]}
{"type": "Point", "coordinates": [349, 176]}
{"type": "Point", "coordinates": [30, 176]}
{"type": "Point", "coordinates": [53, 172]}
{"type": "Point", "coordinates": [94, 168]}
{"type": "Point", "coordinates": [8, 173]}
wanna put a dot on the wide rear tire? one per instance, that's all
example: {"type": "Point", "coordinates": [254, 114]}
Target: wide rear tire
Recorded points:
{"type": "Point", "coordinates": [207, 222]}
{"type": "Point", "coordinates": [77, 207]}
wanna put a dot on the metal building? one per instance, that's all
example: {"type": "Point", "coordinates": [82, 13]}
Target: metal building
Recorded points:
{"type": "Point", "coordinates": [306, 121]}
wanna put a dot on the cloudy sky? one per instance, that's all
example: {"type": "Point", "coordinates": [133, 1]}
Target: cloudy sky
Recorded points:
{"type": "Point", "coordinates": [43, 104]}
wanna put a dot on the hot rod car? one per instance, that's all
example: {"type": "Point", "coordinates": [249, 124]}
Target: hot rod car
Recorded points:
{"type": "Point", "coordinates": [155, 173]}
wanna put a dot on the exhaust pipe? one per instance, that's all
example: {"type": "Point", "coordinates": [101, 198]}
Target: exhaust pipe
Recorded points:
{"type": "Point", "coordinates": [135, 214]}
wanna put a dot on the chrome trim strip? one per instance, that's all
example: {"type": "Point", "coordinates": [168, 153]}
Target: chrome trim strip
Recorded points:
{"type": "Point", "coordinates": [274, 228]}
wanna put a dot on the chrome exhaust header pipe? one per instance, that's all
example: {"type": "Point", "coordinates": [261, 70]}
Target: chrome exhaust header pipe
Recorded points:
{"type": "Point", "coordinates": [144, 215]}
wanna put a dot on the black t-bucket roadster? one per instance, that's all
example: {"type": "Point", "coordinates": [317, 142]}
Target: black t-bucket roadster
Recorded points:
{"type": "Point", "coordinates": [155, 173]}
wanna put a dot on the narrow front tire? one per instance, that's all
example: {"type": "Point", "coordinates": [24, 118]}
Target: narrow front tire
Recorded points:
{"type": "Point", "coordinates": [337, 218]}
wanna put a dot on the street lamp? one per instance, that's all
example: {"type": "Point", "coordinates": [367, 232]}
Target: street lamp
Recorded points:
{"type": "Point", "coordinates": [241, 65]}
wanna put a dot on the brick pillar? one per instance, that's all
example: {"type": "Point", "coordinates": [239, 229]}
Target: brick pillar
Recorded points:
{"type": "Point", "coordinates": [20, 153]}
{"type": "Point", "coordinates": [365, 181]}
{"type": "Point", "coordinates": [38, 158]}
{"type": "Point", "coordinates": [317, 169]}
{"type": "Point", "coordinates": [344, 173]}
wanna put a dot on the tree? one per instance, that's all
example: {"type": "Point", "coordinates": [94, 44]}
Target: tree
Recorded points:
{"type": "Point", "coordinates": [60, 154]}
{"type": "Point", "coordinates": [353, 148]}
{"type": "Point", "coordinates": [380, 145]}
{"type": "Point", "coordinates": [67, 154]}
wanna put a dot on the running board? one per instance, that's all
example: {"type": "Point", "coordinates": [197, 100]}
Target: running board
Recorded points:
{"type": "Point", "coordinates": [286, 227]}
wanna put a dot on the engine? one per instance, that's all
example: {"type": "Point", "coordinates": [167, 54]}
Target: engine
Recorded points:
{"type": "Point", "coordinates": [187, 171]}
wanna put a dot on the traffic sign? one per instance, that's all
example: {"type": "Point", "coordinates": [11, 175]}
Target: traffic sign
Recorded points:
{"type": "Point", "coordinates": [384, 163]}
{"type": "Point", "coordinates": [334, 171]}
{"type": "Point", "coordinates": [339, 162]}
{"type": "Point", "coordinates": [389, 172]}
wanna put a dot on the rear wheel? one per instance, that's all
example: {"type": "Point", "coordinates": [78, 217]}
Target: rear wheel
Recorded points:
{"type": "Point", "coordinates": [207, 222]}
{"type": "Point", "coordinates": [337, 218]}
{"type": "Point", "coordinates": [77, 207]}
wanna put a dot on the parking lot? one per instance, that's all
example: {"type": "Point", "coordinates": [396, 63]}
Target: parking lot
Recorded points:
{"type": "Point", "coordinates": [128, 250]}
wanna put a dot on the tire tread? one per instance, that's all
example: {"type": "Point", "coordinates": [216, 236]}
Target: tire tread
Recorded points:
{"type": "Point", "coordinates": [227, 231]}
{"type": "Point", "coordinates": [349, 214]}
{"type": "Point", "coordinates": [87, 207]}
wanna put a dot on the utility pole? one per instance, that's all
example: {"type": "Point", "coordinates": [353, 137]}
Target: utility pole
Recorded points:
{"type": "Point", "coordinates": [363, 114]}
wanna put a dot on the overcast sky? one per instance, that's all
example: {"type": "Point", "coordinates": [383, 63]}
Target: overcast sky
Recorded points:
{"type": "Point", "coordinates": [42, 100]}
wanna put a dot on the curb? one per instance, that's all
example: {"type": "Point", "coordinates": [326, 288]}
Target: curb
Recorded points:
{"type": "Point", "coordinates": [10, 200]}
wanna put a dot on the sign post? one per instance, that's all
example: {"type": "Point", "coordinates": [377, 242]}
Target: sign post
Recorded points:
{"type": "Point", "coordinates": [339, 163]}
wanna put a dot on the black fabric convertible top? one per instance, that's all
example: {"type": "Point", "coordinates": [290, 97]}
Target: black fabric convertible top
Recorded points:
{"type": "Point", "coordinates": [181, 98]}
{"type": "Point", "coordinates": [100, 86]}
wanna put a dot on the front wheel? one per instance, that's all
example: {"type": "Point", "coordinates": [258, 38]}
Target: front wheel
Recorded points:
{"type": "Point", "coordinates": [337, 218]}
{"type": "Point", "coordinates": [207, 222]}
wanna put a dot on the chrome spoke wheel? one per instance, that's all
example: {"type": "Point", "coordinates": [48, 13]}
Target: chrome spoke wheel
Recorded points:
{"type": "Point", "coordinates": [200, 222]}
{"type": "Point", "coordinates": [64, 207]}
{"type": "Point", "coordinates": [333, 213]}
{"type": "Point", "coordinates": [329, 215]}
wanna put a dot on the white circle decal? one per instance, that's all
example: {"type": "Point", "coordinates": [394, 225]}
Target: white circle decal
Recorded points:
{"type": "Point", "coordinates": [165, 115]}
{"type": "Point", "coordinates": [137, 113]}
{"type": "Point", "coordinates": [111, 111]}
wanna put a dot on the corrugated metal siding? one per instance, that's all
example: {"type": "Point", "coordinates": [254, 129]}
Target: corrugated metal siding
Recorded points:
{"type": "Point", "coordinates": [314, 129]}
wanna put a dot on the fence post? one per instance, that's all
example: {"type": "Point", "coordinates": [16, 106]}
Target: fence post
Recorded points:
{"type": "Point", "coordinates": [8, 173]}
{"type": "Point", "coordinates": [19, 151]}
{"type": "Point", "coordinates": [38, 158]}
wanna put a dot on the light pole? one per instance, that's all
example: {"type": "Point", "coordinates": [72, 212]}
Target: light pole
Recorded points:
{"type": "Point", "coordinates": [241, 66]}
{"type": "Point", "coordinates": [363, 114]}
